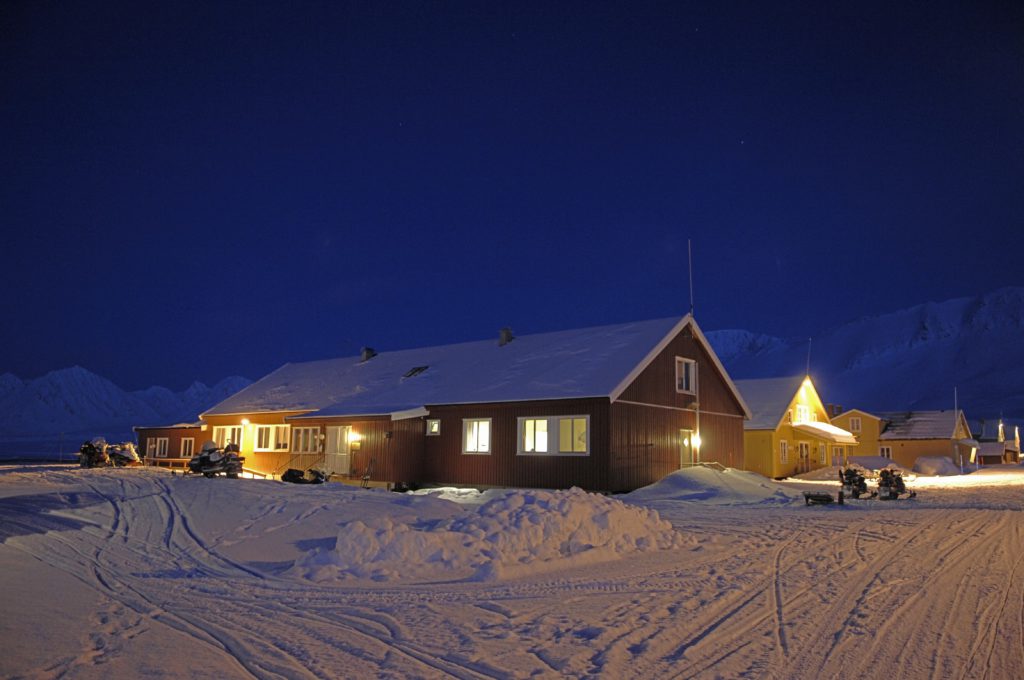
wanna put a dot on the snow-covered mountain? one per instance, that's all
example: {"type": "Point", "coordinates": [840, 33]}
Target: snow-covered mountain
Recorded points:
{"type": "Point", "coordinates": [910, 359]}
{"type": "Point", "coordinates": [75, 400]}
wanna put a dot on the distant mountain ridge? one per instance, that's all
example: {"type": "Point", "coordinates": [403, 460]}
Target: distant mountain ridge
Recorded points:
{"type": "Point", "coordinates": [75, 400]}
{"type": "Point", "coordinates": [909, 359]}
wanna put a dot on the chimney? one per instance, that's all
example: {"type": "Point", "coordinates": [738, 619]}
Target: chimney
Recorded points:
{"type": "Point", "coordinates": [833, 410]}
{"type": "Point", "coordinates": [505, 336]}
{"type": "Point", "coordinates": [367, 354]}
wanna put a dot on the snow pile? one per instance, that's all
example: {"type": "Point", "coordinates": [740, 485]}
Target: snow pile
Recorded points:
{"type": "Point", "coordinates": [825, 474]}
{"type": "Point", "coordinates": [517, 532]}
{"type": "Point", "coordinates": [875, 463]}
{"type": "Point", "coordinates": [935, 466]}
{"type": "Point", "coordinates": [731, 487]}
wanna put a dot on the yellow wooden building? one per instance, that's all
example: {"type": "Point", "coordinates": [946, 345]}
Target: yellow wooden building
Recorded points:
{"type": "Point", "coordinates": [789, 431]}
{"type": "Point", "coordinates": [905, 436]}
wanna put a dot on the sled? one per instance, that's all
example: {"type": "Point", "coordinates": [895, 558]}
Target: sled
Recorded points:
{"type": "Point", "coordinates": [818, 498]}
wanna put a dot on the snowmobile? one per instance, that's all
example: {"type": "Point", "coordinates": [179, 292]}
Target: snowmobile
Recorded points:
{"type": "Point", "coordinates": [299, 477]}
{"type": "Point", "coordinates": [212, 460]}
{"type": "Point", "coordinates": [123, 455]}
{"type": "Point", "coordinates": [890, 485]}
{"type": "Point", "coordinates": [853, 483]}
{"type": "Point", "coordinates": [94, 454]}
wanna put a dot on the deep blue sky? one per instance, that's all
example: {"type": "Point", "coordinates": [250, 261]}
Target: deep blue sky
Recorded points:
{"type": "Point", "coordinates": [196, 190]}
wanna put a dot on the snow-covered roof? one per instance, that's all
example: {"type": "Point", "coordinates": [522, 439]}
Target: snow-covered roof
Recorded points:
{"type": "Point", "coordinates": [175, 426]}
{"type": "Point", "coordinates": [919, 424]}
{"type": "Point", "coordinates": [995, 448]}
{"type": "Point", "coordinates": [589, 362]}
{"type": "Point", "coordinates": [826, 431]}
{"type": "Point", "coordinates": [768, 399]}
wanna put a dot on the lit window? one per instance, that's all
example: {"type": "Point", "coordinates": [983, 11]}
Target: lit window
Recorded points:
{"type": "Point", "coordinates": [272, 437]}
{"type": "Point", "coordinates": [229, 434]}
{"type": "Point", "coordinates": [476, 435]}
{"type": "Point", "coordinates": [535, 435]}
{"type": "Point", "coordinates": [854, 423]}
{"type": "Point", "coordinates": [188, 446]}
{"type": "Point", "coordinates": [305, 440]}
{"type": "Point", "coordinates": [803, 414]}
{"type": "Point", "coordinates": [686, 376]}
{"type": "Point", "coordinates": [433, 427]}
{"type": "Point", "coordinates": [572, 435]}
{"type": "Point", "coordinates": [783, 452]}
{"type": "Point", "coordinates": [263, 433]}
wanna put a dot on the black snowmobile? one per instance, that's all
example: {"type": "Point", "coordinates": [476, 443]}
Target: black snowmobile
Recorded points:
{"type": "Point", "coordinates": [294, 476]}
{"type": "Point", "coordinates": [853, 483]}
{"type": "Point", "coordinates": [213, 460]}
{"type": "Point", "coordinates": [94, 454]}
{"type": "Point", "coordinates": [890, 485]}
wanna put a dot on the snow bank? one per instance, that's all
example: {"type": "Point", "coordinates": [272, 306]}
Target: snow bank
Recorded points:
{"type": "Point", "coordinates": [731, 487]}
{"type": "Point", "coordinates": [517, 532]}
{"type": "Point", "coordinates": [875, 463]}
{"type": "Point", "coordinates": [935, 466]}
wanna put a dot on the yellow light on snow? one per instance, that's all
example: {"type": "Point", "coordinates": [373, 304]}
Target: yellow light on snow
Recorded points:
{"type": "Point", "coordinates": [695, 440]}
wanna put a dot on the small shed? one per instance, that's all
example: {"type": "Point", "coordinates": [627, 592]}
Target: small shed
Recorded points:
{"type": "Point", "coordinates": [170, 445]}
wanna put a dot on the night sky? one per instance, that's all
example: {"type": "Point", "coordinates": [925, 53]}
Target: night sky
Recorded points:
{"type": "Point", "coordinates": [189, 191]}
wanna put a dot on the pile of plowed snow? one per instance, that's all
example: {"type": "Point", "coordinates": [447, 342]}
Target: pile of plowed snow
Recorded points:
{"type": "Point", "coordinates": [875, 463]}
{"type": "Point", "coordinates": [935, 466]}
{"type": "Point", "coordinates": [518, 532]}
{"type": "Point", "coordinates": [729, 487]}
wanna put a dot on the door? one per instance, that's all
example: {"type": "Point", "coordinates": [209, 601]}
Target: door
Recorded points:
{"type": "Point", "coordinates": [805, 457]}
{"type": "Point", "coordinates": [337, 452]}
{"type": "Point", "coordinates": [686, 448]}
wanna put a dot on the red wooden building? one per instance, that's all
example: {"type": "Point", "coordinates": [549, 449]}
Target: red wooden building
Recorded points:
{"type": "Point", "coordinates": [608, 408]}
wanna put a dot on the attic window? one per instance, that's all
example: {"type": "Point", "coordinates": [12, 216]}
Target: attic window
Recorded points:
{"type": "Point", "coordinates": [415, 371]}
{"type": "Point", "coordinates": [686, 376]}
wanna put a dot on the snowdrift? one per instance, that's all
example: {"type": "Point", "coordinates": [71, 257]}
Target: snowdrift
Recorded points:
{"type": "Point", "coordinates": [935, 466]}
{"type": "Point", "coordinates": [518, 532]}
{"type": "Point", "coordinates": [731, 487]}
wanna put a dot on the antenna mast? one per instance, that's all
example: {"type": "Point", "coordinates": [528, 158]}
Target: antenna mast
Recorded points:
{"type": "Point", "coordinates": [808, 373]}
{"type": "Point", "coordinates": [689, 259]}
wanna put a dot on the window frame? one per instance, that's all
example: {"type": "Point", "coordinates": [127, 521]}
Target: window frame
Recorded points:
{"type": "Point", "coordinates": [856, 425]}
{"type": "Point", "coordinates": [222, 442]}
{"type": "Point", "coordinates": [784, 451]}
{"type": "Point", "coordinates": [689, 367]}
{"type": "Point", "coordinates": [882, 451]}
{"type": "Point", "coordinates": [191, 448]}
{"type": "Point", "coordinates": [273, 438]}
{"type": "Point", "coordinates": [154, 448]}
{"type": "Point", "coordinates": [296, 434]}
{"type": "Point", "coordinates": [467, 423]}
{"type": "Point", "coordinates": [554, 432]}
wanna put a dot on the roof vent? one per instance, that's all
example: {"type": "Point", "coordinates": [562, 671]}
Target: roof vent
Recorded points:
{"type": "Point", "coordinates": [505, 336]}
{"type": "Point", "coordinates": [367, 354]}
{"type": "Point", "coordinates": [415, 371]}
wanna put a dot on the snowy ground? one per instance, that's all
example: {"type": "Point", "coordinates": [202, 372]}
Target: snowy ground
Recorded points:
{"type": "Point", "coordinates": [135, 573]}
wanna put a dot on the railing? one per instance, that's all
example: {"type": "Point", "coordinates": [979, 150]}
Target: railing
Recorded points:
{"type": "Point", "coordinates": [714, 464]}
{"type": "Point", "coordinates": [292, 462]}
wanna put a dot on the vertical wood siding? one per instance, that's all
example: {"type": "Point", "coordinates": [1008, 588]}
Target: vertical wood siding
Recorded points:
{"type": "Point", "coordinates": [174, 436]}
{"type": "Point", "coordinates": [391, 449]}
{"type": "Point", "coordinates": [656, 384]}
{"type": "Point", "coordinates": [445, 463]}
